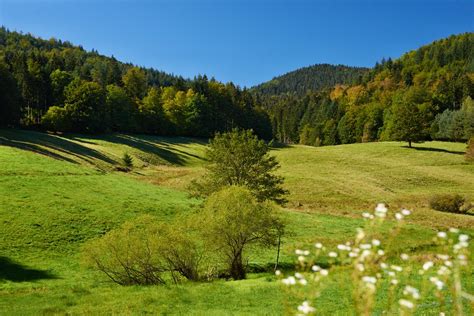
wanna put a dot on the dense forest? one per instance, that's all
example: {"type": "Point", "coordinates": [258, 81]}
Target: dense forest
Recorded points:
{"type": "Point", "coordinates": [426, 94]}
{"type": "Point", "coordinates": [311, 78]}
{"type": "Point", "coordinates": [54, 85]}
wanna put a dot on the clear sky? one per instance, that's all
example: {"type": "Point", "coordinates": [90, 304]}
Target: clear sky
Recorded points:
{"type": "Point", "coordinates": [244, 41]}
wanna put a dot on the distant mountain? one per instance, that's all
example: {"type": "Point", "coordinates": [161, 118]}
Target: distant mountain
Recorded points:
{"type": "Point", "coordinates": [311, 78]}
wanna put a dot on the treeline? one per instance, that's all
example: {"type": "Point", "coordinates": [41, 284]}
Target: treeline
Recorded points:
{"type": "Point", "coordinates": [54, 85]}
{"type": "Point", "coordinates": [426, 94]}
{"type": "Point", "coordinates": [311, 78]}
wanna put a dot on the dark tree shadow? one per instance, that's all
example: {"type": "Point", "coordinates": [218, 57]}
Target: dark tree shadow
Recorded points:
{"type": "Point", "coordinates": [437, 150]}
{"type": "Point", "coordinates": [165, 149]}
{"type": "Point", "coordinates": [15, 272]}
{"type": "Point", "coordinates": [51, 145]}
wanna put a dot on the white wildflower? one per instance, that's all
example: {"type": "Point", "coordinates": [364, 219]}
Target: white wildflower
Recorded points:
{"type": "Point", "coordinates": [360, 267]}
{"type": "Point", "coordinates": [305, 308]}
{"type": "Point", "coordinates": [404, 256]}
{"type": "Point", "coordinates": [369, 279]}
{"type": "Point", "coordinates": [427, 265]}
{"type": "Point", "coordinates": [448, 263]}
{"type": "Point", "coordinates": [289, 280]}
{"type": "Point", "coordinates": [398, 216]}
{"type": "Point", "coordinates": [406, 212]}
{"type": "Point", "coordinates": [352, 254]}
{"type": "Point", "coordinates": [396, 268]}
{"type": "Point", "coordinates": [366, 215]}
{"type": "Point", "coordinates": [463, 238]}
{"type": "Point", "coordinates": [442, 235]}
{"type": "Point", "coordinates": [365, 246]}
{"type": "Point", "coordinates": [442, 257]}
{"type": "Point", "coordinates": [324, 272]}
{"type": "Point", "coordinates": [301, 258]}
{"type": "Point", "coordinates": [299, 251]}
{"type": "Point", "coordinates": [318, 245]}
{"type": "Point", "coordinates": [306, 253]}
{"type": "Point", "coordinates": [298, 275]}
{"type": "Point", "coordinates": [406, 303]}
{"type": "Point", "coordinates": [360, 234]}
{"type": "Point", "coordinates": [394, 282]}
{"type": "Point", "coordinates": [376, 242]}
{"type": "Point", "coordinates": [412, 291]}
{"type": "Point", "coordinates": [454, 230]}
{"type": "Point", "coordinates": [437, 282]}
{"type": "Point", "coordinates": [380, 252]}
{"type": "Point", "coordinates": [316, 268]}
{"type": "Point", "coordinates": [332, 254]}
{"type": "Point", "coordinates": [383, 265]}
{"type": "Point", "coordinates": [277, 272]}
{"type": "Point", "coordinates": [303, 282]}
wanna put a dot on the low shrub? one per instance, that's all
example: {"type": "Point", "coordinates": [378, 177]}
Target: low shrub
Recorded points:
{"type": "Point", "coordinates": [452, 203]}
{"type": "Point", "coordinates": [127, 160]}
{"type": "Point", "coordinates": [470, 150]}
{"type": "Point", "coordinates": [144, 252]}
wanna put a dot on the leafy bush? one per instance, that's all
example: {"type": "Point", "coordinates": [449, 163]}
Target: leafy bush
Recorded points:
{"type": "Point", "coordinates": [447, 203]}
{"type": "Point", "coordinates": [144, 252]}
{"type": "Point", "coordinates": [57, 119]}
{"type": "Point", "coordinates": [470, 150]}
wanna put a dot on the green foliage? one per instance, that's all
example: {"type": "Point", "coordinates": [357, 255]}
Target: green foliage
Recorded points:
{"type": "Point", "coordinates": [9, 98]}
{"type": "Point", "coordinates": [120, 109]}
{"type": "Point", "coordinates": [127, 160]}
{"type": "Point", "coordinates": [451, 203]}
{"type": "Point", "coordinates": [134, 81]}
{"type": "Point", "coordinates": [470, 150]}
{"type": "Point", "coordinates": [57, 119]}
{"type": "Point", "coordinates": [233, 220]}
{"type": "Point", "coordinates": [240, 158]}
{"type": "Point", "coordinates": [309, 78]}
{"type": "Point", "coordinates": [144, 251]}
{"type": "Point", "coordinates": [37, 74]}
{"type": "Point", "coordinates": [129, 255]}
{"type": "Point", "coordinates": [409, 119]}
{"type": "Point", "coordinates": [85, 106]}
{"type": "Point", "coordinates": [433, 79]}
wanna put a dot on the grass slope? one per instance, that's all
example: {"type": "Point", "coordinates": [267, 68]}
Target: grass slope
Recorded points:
{"type": "Point", "coordinates": [57, 192]}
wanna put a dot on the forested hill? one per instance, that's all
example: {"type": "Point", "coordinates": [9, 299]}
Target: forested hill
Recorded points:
{"type": "Point", "coordinates": [57, 86]}
{"type": "Point", "coordinates": [310, 78]}
{"type": "Point", "coordinates": [426, 94]}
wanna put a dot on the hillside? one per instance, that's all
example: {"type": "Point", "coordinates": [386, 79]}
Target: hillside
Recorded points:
{"type": "Point", "coordinates": [59, 191]}
{"type": "Point", "coordinates": [311, 78]}
{"type": "Point", "coordinates": [54, 85]}
{"type": "Point", "coordinates": [433, 85]}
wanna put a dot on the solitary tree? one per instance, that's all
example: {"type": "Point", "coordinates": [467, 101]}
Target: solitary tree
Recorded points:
{"type": "Point", "coordinates": [411, 117]}
{"type": "Point", "coordinates": [234, 220]}
{"type": "Point", "coordinates": [240, 158]}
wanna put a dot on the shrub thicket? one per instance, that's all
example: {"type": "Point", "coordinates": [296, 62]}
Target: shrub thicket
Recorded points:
{"type": "Point", "coordinates": [451, 203]}
{"type": "Point", "coordinates": [145, 252]}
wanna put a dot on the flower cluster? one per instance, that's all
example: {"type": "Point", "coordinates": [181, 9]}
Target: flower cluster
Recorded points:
{"type": "Point", "coordinates": [373, 265]}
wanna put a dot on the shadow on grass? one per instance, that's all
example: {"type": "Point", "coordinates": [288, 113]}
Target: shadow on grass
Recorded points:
{"type": "Point", "coordinates": [15, 272]}
{"type": "Point", "coordinates": [165, 149]}
{"type": "Point", "coordinates": [437, 150]}
{"type": "Point", "coordinates": [51, 145]}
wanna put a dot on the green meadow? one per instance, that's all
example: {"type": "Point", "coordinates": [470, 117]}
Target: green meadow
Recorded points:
{"type": "Point", "coordinates": [59, 191]}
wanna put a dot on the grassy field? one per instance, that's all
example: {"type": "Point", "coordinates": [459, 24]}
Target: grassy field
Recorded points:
{"type": "Point", "coordinates": [56, 192]}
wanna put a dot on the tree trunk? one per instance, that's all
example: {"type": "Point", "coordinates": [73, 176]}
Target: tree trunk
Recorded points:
{"type": "Point", "coordinates": [409, 143]}
{"type": "Point", "coordinates": [278, 252]}
{"type": "Point", "coordinates": [237, 270]}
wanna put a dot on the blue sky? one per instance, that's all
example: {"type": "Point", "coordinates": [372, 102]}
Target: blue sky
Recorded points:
{"type": "Point", "coordinates": [244, 41]}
